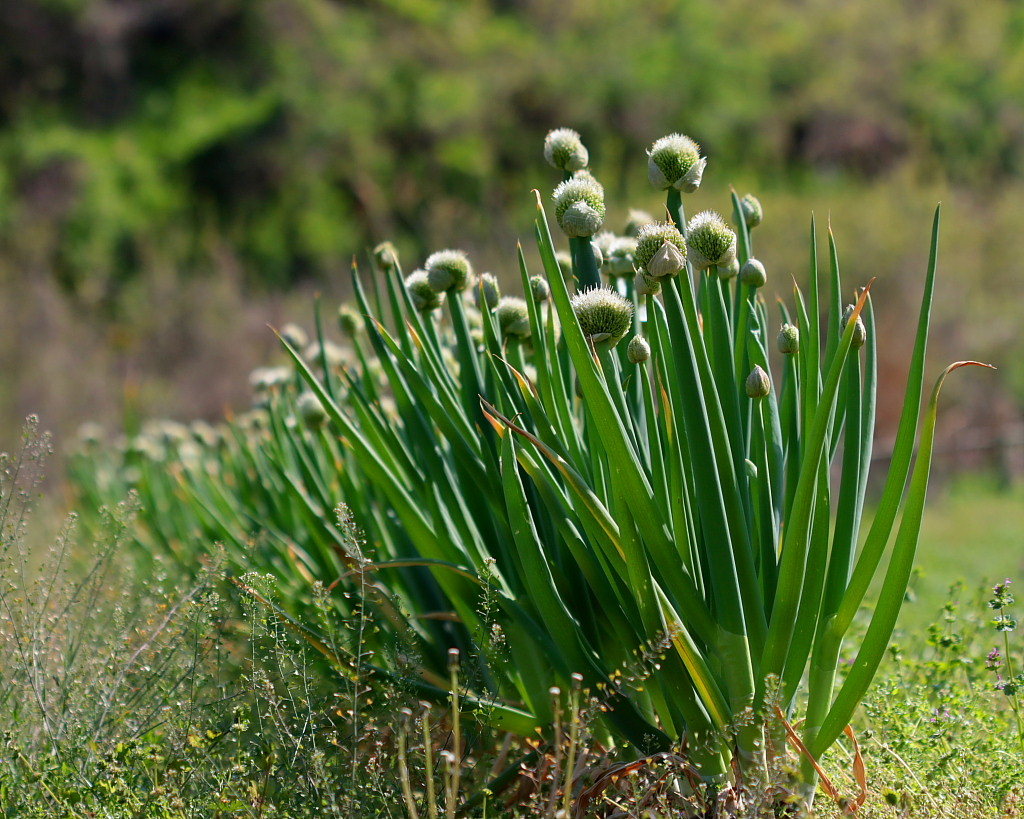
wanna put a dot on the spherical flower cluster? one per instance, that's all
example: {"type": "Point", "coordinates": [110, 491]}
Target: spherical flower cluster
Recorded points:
{"type": "Point", "coordinates": [660, 250]}
{"type": "Point", "coordinates": [448, 270]}
{"type": "Point", "coordinates": [513, 316]}
{"type": "Point", "coordinates": [603, 314]}
{"type": "Point", "coordinates": [263, 379]}
{"type": "Point", "coordinates": [386, 256]}
{"type": "Point", "coordinates": [674, 161]}
{"type": "Point", "coordinates": [295, 336]}
{"type": "Point", "coordinates": [753, 213]}
{"type": "Point", "coordinates": [316, 353]}
{"type": "Point", "coordinates": [563, 149]}
{"type": "Point", "coordinates": [539, 288]}
{"type": "Point", "coordinates": [618, 260]}
{"type": "Point", "coordinates": [205, 434]}
{"type": "Point", "coordinates": [636, 220]}
{"type": "Point", "coordinates": [349, 321]}
{"type": "Point", "coordinates": [310, 411]}
{"type": "Point", "coordinates": [487, 292]}
{"type": "Point", "coordinates": [709, 240]}
{"type": "Point", "coordinates": [424, 297]}
{"type": "Point", "coordinates": [90, 434]}
{"type": "Point", "coordinates": [639, 350]}
{"type": "Point", "coordinates": [603, 242]}
{"type": "Point", "coordinates": [579, 205]}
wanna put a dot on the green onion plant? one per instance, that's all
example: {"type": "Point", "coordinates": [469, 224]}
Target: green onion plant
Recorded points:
{"type": "Point", "coordinates": [634, 460]}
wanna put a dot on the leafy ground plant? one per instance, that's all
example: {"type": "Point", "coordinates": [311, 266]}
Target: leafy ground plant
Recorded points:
{"type": "Point", "coordinates": [939, 734]}
{"type": "Point", "coordinates": [627, 467]}
{"type": "Point", "coordinates": [99, 698]}
{"type": "Point", "coordinates": [128, 695]}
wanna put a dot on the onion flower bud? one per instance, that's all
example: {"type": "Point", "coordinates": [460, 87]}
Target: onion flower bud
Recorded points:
{"type": "Point", "coordinates": [386, 257]}
{"type": "Point", "coordinates": [349, 321]}
{"type": "Point", "coordinates": [424, 297]}
{"type": "Point", "coordinates": [603, 242]}
{"type": "Point", "coordinates": [563, 149]}
{"type": "Point", "coordinates": [603, 314]}
{"type": "Point", "coordinates": [730, 269]}
{"type": "Point", "coordinates": [295, 336]}
{"type": "Point", "coordinates": [752, 211]}
{"type": "Point", "coordinates": [788, 340]}
{"type": "Point", "coordinates": [860, 331]}
{"type": "Point", "coordinates": [487, 293]}
{"type": "Point", "coordinates": [618, 261]}
{"type": "Point", "coordinates": [660, 250]}
{"type": "Point", "coordinates": [564, 264]}
{"type": "Point", "coordinates": [310, 411]}
{"type": "Point", "coordinates": [758, 384]}
{"type": "Point", "coordinates": [674, 161]}
{"type": "Point", "coordinates": [753, 273]}
{"type": "Point", "coordinates": [539, 288]}
{"type": "Point", "coordinates": [334, 355]}
{"type": "Point", "coordinates": [636, 220]}
{"type": "Point", "coordinates": [579, 205]}
{"type": "Point", "coordinates": [448, 270]}
{"type": "Point", "coordinates": [646, 285]}
{"type": "Point", "coordinates": [513, 316]}
{"type": "Point", "coordinates": [709, 240]}
{"type": "Point", "coordinates": [639, 350]}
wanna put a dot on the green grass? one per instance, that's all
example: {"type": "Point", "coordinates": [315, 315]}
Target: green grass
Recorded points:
{"type": "Point", "coordinates": [973, 532]}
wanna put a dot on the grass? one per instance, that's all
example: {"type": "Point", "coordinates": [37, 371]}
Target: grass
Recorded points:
{"type": "Point", "coordinates": [273, 741]}
{"type": "Point", "coordinates": [973, 532]}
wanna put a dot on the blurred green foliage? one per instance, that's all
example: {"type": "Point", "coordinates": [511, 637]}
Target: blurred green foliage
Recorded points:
{"type": "Point", "coordinates": [292, 133]}
{"type": "Point", "coordinates": [218, 157]}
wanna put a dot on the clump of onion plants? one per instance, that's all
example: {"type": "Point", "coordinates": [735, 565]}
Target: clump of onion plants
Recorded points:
{"type": "Point", "coordinates": [554, 500]}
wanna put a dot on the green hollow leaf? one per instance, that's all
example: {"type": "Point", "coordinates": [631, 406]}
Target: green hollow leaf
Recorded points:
{"type": "Point", "coordinates": [552, 609]}
{"type": "Point", "coordinates": [623, 461]}
{"type": "Point", "coordinates": [899, 464]}
{"type": "Point", "coordinates": [894, 586]}
{"type": "Point", "coordinates": [796, 536]}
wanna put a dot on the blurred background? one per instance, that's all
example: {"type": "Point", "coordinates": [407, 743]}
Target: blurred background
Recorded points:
{"type": "Point", "coordinates": [177, 174]}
